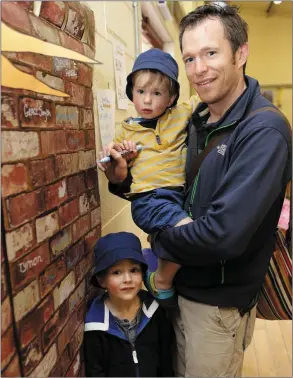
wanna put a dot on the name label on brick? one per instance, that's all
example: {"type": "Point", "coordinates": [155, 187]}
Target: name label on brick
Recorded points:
{"type": "Point", "coordinates": [26, 265]}
{"type": "Point", "coordinates": [29, 112]}
{"type": "Point", "coordinates": [66, 67]}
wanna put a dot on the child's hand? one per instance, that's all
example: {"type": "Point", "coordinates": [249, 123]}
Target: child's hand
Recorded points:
{"type": "Point", "coordinates": [115, 170]}
{"type": "Point", "coordinates": [128, 145]}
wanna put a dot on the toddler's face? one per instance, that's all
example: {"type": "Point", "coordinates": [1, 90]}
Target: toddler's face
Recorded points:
{"type": "Point", "coordinates": [123, 280]}
{"type": "Point", "coordinates": [150, 96]}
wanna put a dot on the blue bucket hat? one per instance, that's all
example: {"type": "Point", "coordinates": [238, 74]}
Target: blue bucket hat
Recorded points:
{"type": "Point", "coordinates": [155, 59]}
{"type": "Point", "coordinates": [114, 247]}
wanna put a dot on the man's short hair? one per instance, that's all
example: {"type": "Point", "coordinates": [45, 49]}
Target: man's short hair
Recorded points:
{"type": "Point", "coordinates": [235, 28]}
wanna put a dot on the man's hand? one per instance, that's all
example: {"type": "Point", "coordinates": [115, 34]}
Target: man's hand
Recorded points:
{"type": "Point", "coordinates": [116, 170]}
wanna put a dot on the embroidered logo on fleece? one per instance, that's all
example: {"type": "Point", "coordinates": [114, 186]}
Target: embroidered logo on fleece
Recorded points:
{"type": "Point", "coordinates": [221, 149]}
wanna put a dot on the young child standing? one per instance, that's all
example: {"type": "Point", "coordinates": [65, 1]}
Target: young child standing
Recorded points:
{"type": "Point", "coordinates": [158, 170]}
{"type": "Point", "coordinates": [126, 334]}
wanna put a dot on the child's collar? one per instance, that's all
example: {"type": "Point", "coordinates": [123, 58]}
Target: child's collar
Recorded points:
{"type": "Point", "coordinates": [99, 318]}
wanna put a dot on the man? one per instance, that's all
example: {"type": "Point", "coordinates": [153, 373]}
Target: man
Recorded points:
{"type": "Point", "coordinates": [235, 200]}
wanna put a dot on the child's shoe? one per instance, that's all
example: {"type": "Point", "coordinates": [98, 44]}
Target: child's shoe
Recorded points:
{"type": "Point", "coordinates": [166, 298]}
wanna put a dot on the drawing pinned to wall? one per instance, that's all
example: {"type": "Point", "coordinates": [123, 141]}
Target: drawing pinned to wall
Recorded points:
{"type": "Point", "coordinates": [12, 77]}
{"type": "Point", "coordinates": [120, 74]}
{"type": "Point", "coordinates": [106, 110]}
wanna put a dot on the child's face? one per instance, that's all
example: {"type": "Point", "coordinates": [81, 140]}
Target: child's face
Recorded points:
{"type": "Point", "coordinates": [150, 96]}
{"type": "Point", "coordinates": [123, 280]}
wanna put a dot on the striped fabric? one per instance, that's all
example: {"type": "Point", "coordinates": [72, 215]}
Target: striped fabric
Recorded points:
{"type": "Point", "coordinates": [275, 297]}
{"type": "Point", "coordinates": [161, 162]}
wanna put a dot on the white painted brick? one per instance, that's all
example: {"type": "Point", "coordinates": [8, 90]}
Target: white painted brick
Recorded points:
{"type": "Point", "coordinates": [17, 145]}
{"type": "Point", "coordinates": [47, 363]}
{"type": "Point", "coordinates": [77, 296]}
{"type": "Point", "coordinates": [25, 300]}
{"type": "Point", "coordinates": [84, 204]}
{"type": "Point", "coordinates": [52, 81]}
{"type": "Point", "coordinates": [19, 239]}
{"type": "Point", "coordinates": [96, 217]}
{"type": "Point", "coordinates": [47, 226]}
{"type": "Point", "coordinates": [87, 159]}
{"type": "Point", "coordinates": [63, 290]}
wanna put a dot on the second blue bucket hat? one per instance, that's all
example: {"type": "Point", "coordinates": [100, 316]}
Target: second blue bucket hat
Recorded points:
{"type": "Point", "coordinates": [154, 59]}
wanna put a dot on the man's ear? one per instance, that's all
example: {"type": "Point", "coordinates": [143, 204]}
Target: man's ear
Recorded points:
{"type": "Point", "coordinates": [242, 53]}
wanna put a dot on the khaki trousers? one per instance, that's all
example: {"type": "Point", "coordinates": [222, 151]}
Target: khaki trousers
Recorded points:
{"type": "Point", "coordinates": [210, 340]}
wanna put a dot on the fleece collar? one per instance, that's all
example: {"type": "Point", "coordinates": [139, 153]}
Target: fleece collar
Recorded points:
{"type": "Point", "coordinates": [99, 318]}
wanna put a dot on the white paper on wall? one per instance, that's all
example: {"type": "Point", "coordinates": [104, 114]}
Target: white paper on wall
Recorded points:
{"type": "Point", "coordinates": [120, 74]}
{"type": "Point", "coordinates": [106, 110]}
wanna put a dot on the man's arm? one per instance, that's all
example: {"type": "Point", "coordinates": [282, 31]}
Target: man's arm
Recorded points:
{"type": "Point", "coordinates": [250, 187]}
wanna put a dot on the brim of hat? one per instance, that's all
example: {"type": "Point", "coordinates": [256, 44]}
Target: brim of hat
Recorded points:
{"type": "Point", "coordinates": [132, 255]}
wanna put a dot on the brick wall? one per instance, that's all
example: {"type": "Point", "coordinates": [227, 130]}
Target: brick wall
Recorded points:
{"type": "Point", "coordinates": [50, 197]}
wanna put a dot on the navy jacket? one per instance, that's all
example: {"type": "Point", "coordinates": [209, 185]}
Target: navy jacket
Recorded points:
{"type": "Point", "coordinates": [237, 200]}
{"type": "Point", "coordinates": [108, 353]}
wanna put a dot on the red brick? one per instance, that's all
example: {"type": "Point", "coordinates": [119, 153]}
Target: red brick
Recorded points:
{"type": "Point", "coordinates": [3, 282]}
{"type": "Point", "coordinates": [20, 241]}
{"type": "Point", "coordinates": [25, 207]}
{"type": "Point", "coordinates": [36, 60]}
{"type": "Point", "coordinates": [68, 212]}
{"type": "Point", "coordinates": [96, 217]}
{"type": "Point", "coordinates": [27, 268]}
{"type": "Point", "coordinates": [77, 296]}
{"type": "Point", "coordinates": [31, 356]}
{"type": "Point", "coordinates": [44, 30]}
{"type": "Point", "coordinates": [85, 75]}
{"type": "Point", "coordinates": [71, 43]}
{"type": "Point", "coordinates": [74, 140]}
{"type": "Point", "coordinates": [74, 367]}
{"type": "Point", "coordinates": [47, 226]}
{"type": "Point", "coordinates": [53, 142]}
{"type": "Point", "coordinates": [76, 92]}
{"type": "Point", "coordinates": [61, 241]}
{"type": "Point", "coordinates": [89, 100]}
{"type": "Point", "coordinates": [87, 119]}
{"type": "Point", "coordinates": [53, 11]}
{"type": "Point", "coordinates": [87, 201]}
{"type": "Point", "coordinates": [65, 361]}
{"type": "Point", "coordinates": [9, 114]}
{"type": "Point", "coordinates": [36, 113]}
{"type": "Point", "coordinates": [25, 69]}
{"type": "Point", "coordinates": [53, 274]}
{"type": "Point", "coordinates": [66, 164]}
{"type": "Point", "coordinates": [6, 316]}
{"type": "Point", "coordinates": [56, 194]}
{"type": "Point", "coordinates": [27, 326]}
{"type": "Point", "coordinates": [81, 311]}
{"type": "Point", "coordinates": [19, 145]}
{"type": "Point", "coordinates": [89, 137]}
{"type": "Point", "coordinates": [89, 52]}
{"type": "Point", "coordinates": [15, 16]}
{"type": "Point", "coordinates": [67, 116]}
{"type": "Point", "coordinates": [91, 178]}
{"type": "Point", "coordinates": [54, 325]}
{"type": "Point", "coordinates": [75, 184]}
{"type": "Point", "coordinates": [91, 27]}
{"type": "Point", "coordinates": [87, 159]}
{"type": "Point", "coordinates": [80, 227]}
{"type": "Point", "coordinates": [14, 179]}
{"type": "Point", "coordinates": [56, 371]}
{"type": "Point", "coordinates": [13, 369]}
{"type": "Point", "coordinates": [7, 347]}
{"type": "Point", "coordinates": [29, 5]}
{"type": "Point", "coordinates": [83, 267]}
{"type": "Point", "coordinates": [74, 255]}
{"type": "Point", "coordinates": [42, 171]}
{"type": "Point", "coordinates": [91, 239]}
{"type": "Point", "coordinates": [82, 369]}
{"type": "Point", "coordinates": [75, 24]}
{"type": "Point", "coordinates": [76, 340]}
{"type": "Point", "coordinates": [67, 332]}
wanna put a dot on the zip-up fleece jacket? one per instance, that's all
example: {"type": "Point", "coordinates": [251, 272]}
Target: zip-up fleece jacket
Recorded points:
{"type": "Point", "coordinates": [108, 353]}
{"type": "Point", "coordinates": [235, 201]}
